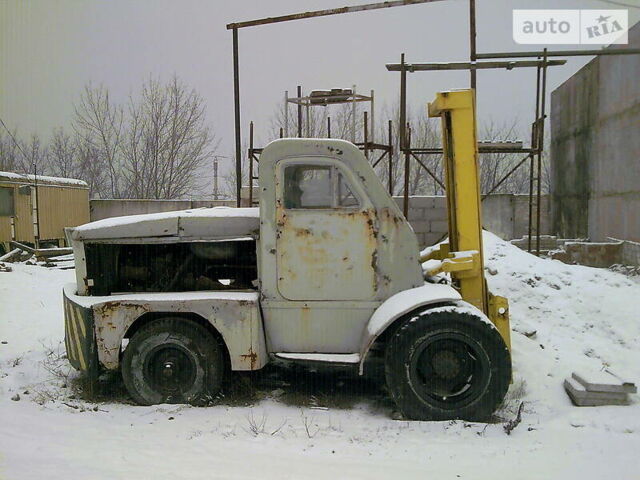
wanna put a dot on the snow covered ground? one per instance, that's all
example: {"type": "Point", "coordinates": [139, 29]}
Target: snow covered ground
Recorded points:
{"type": "Point", "coordinates": [584, 319]}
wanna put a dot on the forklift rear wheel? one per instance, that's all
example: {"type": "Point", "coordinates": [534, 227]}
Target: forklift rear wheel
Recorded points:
{"type": "Point", "coordinates": [173, 360]}
{"type": "Point", "coordinates": [447, 365]}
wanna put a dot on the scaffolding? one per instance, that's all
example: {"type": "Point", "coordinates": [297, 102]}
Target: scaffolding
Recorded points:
{"type": "Point", "coordinates": [532, 154]}
{"type": "Point", "coordinates": [323, 98]}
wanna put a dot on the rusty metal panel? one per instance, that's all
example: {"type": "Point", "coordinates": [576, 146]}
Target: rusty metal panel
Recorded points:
{"type": "Point", "coordinates": [235, 315]}
{"type": "Point", "coordinates": [326, 246]}
{"type": "Point", "coordinates": [379, 242]}
{"type": "Point", "coordinates": [327, 255]}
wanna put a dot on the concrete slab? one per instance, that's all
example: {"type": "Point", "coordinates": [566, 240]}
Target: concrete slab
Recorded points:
{"type": "Point", "coordinates": [604, 382]}
{"type": "Point", "coordinates": [583, 398]}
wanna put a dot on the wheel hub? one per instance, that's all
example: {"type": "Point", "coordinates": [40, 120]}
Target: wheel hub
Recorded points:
{"type": "Point", "coordinates": [446, 364]}
{"type": "Point", "coordinates": [170, 370]}
{"type": "Point", "coordinates": [445, 368]}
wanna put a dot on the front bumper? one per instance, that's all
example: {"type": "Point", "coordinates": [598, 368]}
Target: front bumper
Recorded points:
{"type": "Point", "coordinates": [79, 337]}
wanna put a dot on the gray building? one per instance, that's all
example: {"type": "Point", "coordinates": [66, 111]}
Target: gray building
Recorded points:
{"type": "Point", "coordinates": [595, 149]}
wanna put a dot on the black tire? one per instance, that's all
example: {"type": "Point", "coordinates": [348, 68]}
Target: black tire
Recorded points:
{"type": "Point", "coordinates": [447, 364]}
{"type": "Point", "coordinates": [173, 360]}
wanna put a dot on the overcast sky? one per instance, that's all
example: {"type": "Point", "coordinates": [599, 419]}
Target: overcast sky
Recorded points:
{"type": "Point", "coordinates": [49, 50]}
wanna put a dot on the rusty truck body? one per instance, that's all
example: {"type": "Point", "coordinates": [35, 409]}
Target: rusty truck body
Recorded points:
{"type": "Point", "coordinates": [327, 270]}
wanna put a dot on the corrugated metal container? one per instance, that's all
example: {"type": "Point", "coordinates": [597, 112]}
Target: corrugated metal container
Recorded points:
{"type": "Point", "coordinates": [41, 207]}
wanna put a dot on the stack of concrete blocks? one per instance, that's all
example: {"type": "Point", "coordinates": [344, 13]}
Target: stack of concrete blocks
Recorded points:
{"type": "Point", "coordinates": [428, 217]}
{"type": "Point", "coordinates": [596, 389]}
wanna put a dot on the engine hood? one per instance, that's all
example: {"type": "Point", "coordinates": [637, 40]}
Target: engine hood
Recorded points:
{"type": "Point", "coordinates": [198, 223]}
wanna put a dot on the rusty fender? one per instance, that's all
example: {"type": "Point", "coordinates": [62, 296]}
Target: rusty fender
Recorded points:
{"type": "Point", "coordinates": [235, 315]}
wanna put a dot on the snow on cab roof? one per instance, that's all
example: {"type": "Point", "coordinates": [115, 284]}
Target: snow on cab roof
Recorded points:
{"type": "Point", "coordinates": [45, 180]}
{"type": "Point", "coordinates": [216, 222]}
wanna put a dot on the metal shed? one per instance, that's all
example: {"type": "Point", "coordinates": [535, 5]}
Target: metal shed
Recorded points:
{"type": "Point", "coordinates": [36, 209]}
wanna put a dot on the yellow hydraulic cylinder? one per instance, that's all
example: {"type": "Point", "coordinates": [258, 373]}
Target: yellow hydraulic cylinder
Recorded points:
{"type": "Point", "coordinates": [462, 183]}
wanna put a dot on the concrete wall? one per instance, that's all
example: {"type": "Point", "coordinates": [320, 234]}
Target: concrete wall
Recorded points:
{"type": "Point", "coordinates": [100, 209]}
{"type": "Point", "coordinates": [595, 149]}
{"type": "Point", "coordinates": [505, 215]}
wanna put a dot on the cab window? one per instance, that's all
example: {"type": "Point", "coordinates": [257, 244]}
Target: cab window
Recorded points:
{"type": "Point", "coordinates": [317, 187]}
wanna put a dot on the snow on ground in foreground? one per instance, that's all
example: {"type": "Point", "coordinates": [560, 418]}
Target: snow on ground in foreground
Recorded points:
{"type": "Point", "coordinates": [584, 318]}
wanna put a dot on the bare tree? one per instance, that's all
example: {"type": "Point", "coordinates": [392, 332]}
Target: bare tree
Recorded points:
{"type": "Point", "coordinates": [63, 152]}
{"type": "Point", "coordinates": [11, 158]}
{"type": "Point", "coordinates": [71, 157]}
{"type": "Point", "coordinates": [167, 140]}
{"type": "Point", "coordinates": [99, 124]}
{"type": "Point", "coordinates": [151, 149]}
{"type": "Point", "coordinates": [36, 153]}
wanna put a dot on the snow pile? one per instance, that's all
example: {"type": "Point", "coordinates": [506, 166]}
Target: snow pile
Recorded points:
{"type": "Point", "coordinates": [566, 318]}
{"type": "Point", "coordinates": [575, 310]}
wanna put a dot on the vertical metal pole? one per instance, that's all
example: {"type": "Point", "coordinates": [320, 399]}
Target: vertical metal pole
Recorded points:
{"type": "Point", "coordinates": [281, 133]}
{"type": "Point", "coordinates": [403, 133]}
{"type": "Point", "coordinates": [251, 164]}
{"type": "Point", "coordinates": [534, 144]}
{"type": "Point", "coordinates": [541, 148]}
{"type": "Point", "coordinates": [308, 123]}
{"type": "Point", "coordinates": [407, 170]}
{"type": "Point", "coordinates": [366, 136]}
{"type": "Point", "coordinates": [328, 127]}
{"type": "Point", "coordinates": [403, 102]}
{"type": "Point", "coordinates": [236, 98]}
{"type": "Point", "coordinates": [286, 113]}
{"type": "Point", "coordinates": [299, 112]}
{"type": "Point", "coordinates": [390, 152]}
{"type": "Point", "coordinates": [353, 116]}
{"type": "Point", "coordinates": [373, 116]}
{"type": "Point", "coordinates": [472, 41]}
{"type": "Point", "coordinates": [35, 212]}
{"type": "Point", "coordinates": [215, 178]}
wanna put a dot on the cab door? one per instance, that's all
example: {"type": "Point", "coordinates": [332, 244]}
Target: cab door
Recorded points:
{"type": "Point", "coordinates": [325, 238]}
{"type": "Point", "coordinates": [325, 258]}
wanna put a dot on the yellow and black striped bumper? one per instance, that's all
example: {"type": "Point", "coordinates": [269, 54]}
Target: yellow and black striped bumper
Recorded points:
{"type": "Point", "coordinates": [79, 337]}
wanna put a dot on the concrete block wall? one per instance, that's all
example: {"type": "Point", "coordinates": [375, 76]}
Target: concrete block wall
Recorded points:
{"type": "Point", "coordinates": [428, 217]}
{"type": "Point", "coordinates": [505, 215]}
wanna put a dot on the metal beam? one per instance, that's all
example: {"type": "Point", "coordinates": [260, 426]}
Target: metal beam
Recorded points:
{"type": "Point", "coordinates": [326, 13]}
{"type": "Point", "coordinates": [472, 41]}
{"type": "Point", "coordinates": [560, 53]}
{"type": "Point", "coordinates": [421, 67]}
{"type": "Point", "coordinates": [236, 105]}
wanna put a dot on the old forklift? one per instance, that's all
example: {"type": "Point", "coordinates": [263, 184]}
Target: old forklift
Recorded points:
{"type": "Point", "coordinates": [327, 271]}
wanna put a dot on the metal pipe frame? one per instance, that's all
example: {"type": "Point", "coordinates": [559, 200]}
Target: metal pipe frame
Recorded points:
{"type": "Point", "coordinates": [509, 65]}
{"type": "Point", "coordinates": [325, 13]}
{"type": "Point", "coordinates": [306, 101]}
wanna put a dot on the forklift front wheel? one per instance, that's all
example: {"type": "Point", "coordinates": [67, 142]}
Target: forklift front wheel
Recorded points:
{"type": "Point", "coordinates": [173, 360]}
{"type": "Point", "coordinates": [446, 365]}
